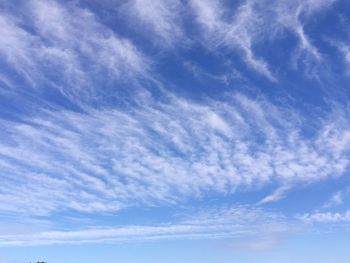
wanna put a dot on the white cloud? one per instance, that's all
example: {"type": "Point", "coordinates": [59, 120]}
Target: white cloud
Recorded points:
{"type": "Point", "coordinates": [71, 41]}
{"type": "Point", "coordinates": [344, 50]}
{"type": "Point", "coordinates": [66, 47]}
{"type": "Point", "coordinates": [326, 217]}
{"type": "Point", "coordinates": [161, 18]}
{"type": "Point", "coordinates": [254, 22]}
{"type": "Point", "coordinates": [337, 198]}
{"type": "Point", "coordinates": [226, 77]}
{"type": "Point", "coordinates": [234, 223]}
{"type": "Point", "coordinates": [160, 152]}
{"type": "Point", "coordinates": [238, 33]}
{"type": "Point", "coordinates": [275, 196]}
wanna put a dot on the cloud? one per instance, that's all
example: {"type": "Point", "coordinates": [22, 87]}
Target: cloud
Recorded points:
{"type": "Point", "coordinates": [202, 75]}
{"type": "Point", "coordinates": [161, 18]}
{"type": "Point", "coordinates": [256, 22]}
{"type": "Point", "coordinates": [275, 196]}
{"type": "Point", "coordinates": [233, 223]}
{"type": "Point", "coordinates": [67, 48]}
{"type": "Point", "coordinates": [160, 152]}
{"type": "Point", "coordinates": [237, 33]}
{"type": "Point", "coordinates": [327, 217]}
{"type": "Point", "coordinates": [344, 50]}
{"type": "Point", "coordinates": [294, 17]}
{"type": "Point", "coordinates": [337, 198]}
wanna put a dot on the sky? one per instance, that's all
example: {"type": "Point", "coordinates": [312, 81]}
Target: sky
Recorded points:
{"type": "Point", "coordinates": [174, 131]}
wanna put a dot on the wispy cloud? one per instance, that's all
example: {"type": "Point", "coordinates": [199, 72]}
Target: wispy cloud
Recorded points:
{"type": "Point", "coordinates": [326, 217]}
{"type": "Point", "coordinates": [226, 77]}
{"type": "Point", "coordinates": [238, 33]}
{"type": "Point", "coordinates": [64, 37]}
{"type": "Point", "coordinates": [162, 19]}
{"type": "Point", "coordinates": [66, 47]}
{"type": "Point", "coordinates": [234, 223]}
{"type": "Point", "coordinates": [275, 196]}
{"type": "Point", "coordinates": [344, 50]}
{"type": "Point", "coordinates": [337, 198]}
{"type": "Point", "coordinates": [255, 22]}
{"type": "Point", "coordinates": [160, 152]}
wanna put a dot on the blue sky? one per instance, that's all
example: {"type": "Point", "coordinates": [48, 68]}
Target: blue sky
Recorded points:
{"type": "Point", "coordinates": [174, 131]}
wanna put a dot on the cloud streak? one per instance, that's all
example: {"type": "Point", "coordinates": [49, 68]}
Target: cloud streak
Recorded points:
{"type": "Point", "coordinates": [160, 152]}
{"type": "Point", "coordinates": [326, 217]}
{"type": "Point", "coordinates": [66, 47]}
{"type": "Point", "coordinates": [233, 223]}
{"type": "Point", "coordinates": [256, 22]}
{"type": "Point", "coordinates": [163, 18]}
